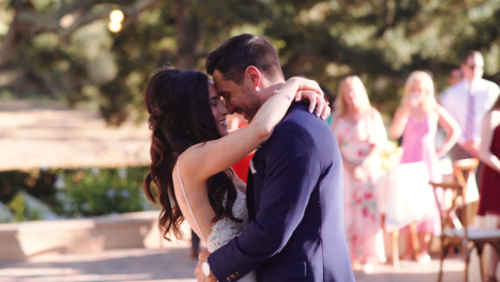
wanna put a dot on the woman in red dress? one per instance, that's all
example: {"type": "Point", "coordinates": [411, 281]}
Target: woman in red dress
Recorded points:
{"type": "Point", "coordinates": [237, 121]}
{"type": "Point", "coordinates": [489, 153]}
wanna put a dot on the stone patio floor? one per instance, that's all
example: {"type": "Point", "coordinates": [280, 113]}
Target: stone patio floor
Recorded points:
{"type": "Point", "coordinates": [174, 265]}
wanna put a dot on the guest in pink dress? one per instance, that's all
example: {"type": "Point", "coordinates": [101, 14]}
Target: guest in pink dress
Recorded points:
{"type": "Point", "coordinates": [417, 120]}
{"type": "Point", "coordinates": [361, 135]}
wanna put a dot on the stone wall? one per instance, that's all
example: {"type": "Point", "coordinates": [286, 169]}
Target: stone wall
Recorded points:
{"type": "Point", "coordinates": [90, 235]}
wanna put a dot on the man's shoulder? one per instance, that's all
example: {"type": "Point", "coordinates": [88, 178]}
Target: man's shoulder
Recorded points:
{"type": "Point", "coordinates": [300, 124]}
{"type": "Point", "coordinates": [453, 93]}
{"type": "Point", "coordinates": [457, 88]}
{"type": "Point", "coordinates": [490, 85]}
{"type": "Point", "coordinates": [299, 114]}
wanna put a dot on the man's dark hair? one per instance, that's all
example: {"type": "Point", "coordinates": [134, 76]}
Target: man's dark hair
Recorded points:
{"type": "Point", "coordinates": [471, 53]}
{"type": "Point", "coordinates": [456, 68]}
{"type": "Point", "coordinates": [235, 55]}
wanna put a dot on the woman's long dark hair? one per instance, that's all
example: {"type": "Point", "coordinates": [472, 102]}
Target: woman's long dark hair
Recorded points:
{"type": "Point", "coordinates": [180, 117]}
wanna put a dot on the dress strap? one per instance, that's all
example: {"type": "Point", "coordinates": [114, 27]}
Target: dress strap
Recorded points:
{"type": "Point", "coordinates": [187, 201]}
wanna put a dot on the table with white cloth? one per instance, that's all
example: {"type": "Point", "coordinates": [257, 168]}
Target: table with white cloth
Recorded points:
{"type": "Point", "coordinates": [405, 197]}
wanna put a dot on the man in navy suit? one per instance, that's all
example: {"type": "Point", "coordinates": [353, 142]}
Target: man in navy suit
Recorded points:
{"type": "Point", "coordinates": [295, 186]}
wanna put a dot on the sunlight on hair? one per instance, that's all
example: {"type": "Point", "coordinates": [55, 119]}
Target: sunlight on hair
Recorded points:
{"type": "Point", "coordinates": [425, 82]}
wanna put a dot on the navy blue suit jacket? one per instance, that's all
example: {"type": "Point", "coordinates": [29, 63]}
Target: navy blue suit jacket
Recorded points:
{"type": "Point", "coordinates": [296, 207]}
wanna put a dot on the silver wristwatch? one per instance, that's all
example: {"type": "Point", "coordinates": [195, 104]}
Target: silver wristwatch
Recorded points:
{"type": "Point", "coordinates": [205, 267]}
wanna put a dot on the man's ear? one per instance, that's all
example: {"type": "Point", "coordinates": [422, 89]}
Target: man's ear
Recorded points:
{"type": "Point", "coordinates": [253, 75]}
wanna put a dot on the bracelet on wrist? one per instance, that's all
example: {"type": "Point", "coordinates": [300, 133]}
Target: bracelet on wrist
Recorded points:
{"type": "Point", "coordinates": [288, 97]}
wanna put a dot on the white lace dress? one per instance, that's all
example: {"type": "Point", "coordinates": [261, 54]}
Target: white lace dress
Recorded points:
{"type": "Point", "coordinates": [225, 229]}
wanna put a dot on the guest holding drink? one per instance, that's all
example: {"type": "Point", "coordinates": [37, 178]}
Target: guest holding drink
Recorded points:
{"type": "Point", "coordinates": [361, 135]}
{"type": "Point", "coordinates": [417, 120]}
{"type": "Point", "coordinates": [489, 153]}
{"type": "Point", "coordinates": [467, 102]}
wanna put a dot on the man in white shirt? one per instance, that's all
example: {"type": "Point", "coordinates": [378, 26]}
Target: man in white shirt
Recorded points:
{"type": "Point", "coordinates": [467, 102]}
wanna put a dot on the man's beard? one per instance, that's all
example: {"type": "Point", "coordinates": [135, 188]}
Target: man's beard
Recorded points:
{"type": "Point", "coordinates": [253, 111]}
{"type": "Point", "coordinates": [253, 105]}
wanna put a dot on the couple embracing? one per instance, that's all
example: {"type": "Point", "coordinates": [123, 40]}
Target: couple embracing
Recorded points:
{"type": "Point", "coordinates": [288, 222]}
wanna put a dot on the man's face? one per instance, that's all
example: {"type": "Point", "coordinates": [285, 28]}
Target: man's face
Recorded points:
{"type": "Point", "coordinates": [239, 98]}
{"type": "Point", "coordinates": [350, 96]}
{"type": "Point", "coordinates": [455, 76]}
{"type": "Point", "coordinates": [473, 68]}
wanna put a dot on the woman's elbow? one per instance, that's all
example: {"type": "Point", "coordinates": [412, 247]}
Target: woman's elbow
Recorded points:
{"type": "Point", "coordinates": [263, 131]}
{"type": "Point", "coordinates": [455, 133]}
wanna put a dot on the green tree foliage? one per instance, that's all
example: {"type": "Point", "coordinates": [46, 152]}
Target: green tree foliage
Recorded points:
{"type": "Point", "coordinates": [380, 40]}
{"type": "Point", "coordinates": [383, 41]}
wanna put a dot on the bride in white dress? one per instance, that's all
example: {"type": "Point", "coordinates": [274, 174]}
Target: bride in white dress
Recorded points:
{"type": "Point", "coordinates": [192, 151]}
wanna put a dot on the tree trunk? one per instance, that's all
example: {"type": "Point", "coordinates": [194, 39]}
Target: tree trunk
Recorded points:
{"type": "Point", "coordinates": [17, 32]}
{"type": "Point", "coordinates": [188, 35]}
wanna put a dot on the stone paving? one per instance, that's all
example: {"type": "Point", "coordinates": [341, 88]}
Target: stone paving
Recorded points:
{"type": "Point", "coordinates": [33, 137]}
{"type": "Point", "coordinates": [174, 265]}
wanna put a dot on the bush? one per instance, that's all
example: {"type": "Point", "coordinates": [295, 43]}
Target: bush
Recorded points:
{"type": "Point", "coordinates": [92, 192]}
{"type": "Point", "coordinates": [27, 207]}
{"type": "Point", "coordinates": [39, 183]}
{"type": "Point", "coordinates": [76, 192]}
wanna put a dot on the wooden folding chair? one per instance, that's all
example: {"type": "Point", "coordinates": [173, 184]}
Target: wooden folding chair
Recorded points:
{"type": "Point", "coordinates": [455, 230]}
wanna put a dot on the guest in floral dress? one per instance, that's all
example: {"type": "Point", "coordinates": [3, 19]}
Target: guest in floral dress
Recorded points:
{"type": "Point", "coordinates": [361, 135]}
{"type": "Point", "coordinates": [417, 120]}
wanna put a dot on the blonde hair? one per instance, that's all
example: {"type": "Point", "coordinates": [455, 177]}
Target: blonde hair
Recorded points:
{"type": "Point", "coordinates": [426, 83]}
{"type": "Point", "coordinates": [357, 84]}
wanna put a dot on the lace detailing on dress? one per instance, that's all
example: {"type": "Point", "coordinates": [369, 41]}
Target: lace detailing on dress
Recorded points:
{"type": "Point", "coordinates": [225, 229]}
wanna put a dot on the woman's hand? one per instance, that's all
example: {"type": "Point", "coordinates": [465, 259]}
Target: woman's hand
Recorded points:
{"type": "Point", "coordinates": [406, 107]}
{"type": "Point", "coordinates": [304, 84]}
{"type": "Point", "coordinates": [440, 152]}
{"type": "Point", "coordinates": [198, 272]}
{"type": "Point", "coordinates": [309, 90]}
{"type": "Point", "coordinates": [316, 102]}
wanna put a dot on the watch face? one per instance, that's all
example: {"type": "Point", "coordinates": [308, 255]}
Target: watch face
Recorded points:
{"type": "Point", "coordinates": [205, 268]}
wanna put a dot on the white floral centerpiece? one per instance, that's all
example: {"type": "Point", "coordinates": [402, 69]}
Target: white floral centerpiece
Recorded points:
{"type": "Point", "coordinates": [391, 156]}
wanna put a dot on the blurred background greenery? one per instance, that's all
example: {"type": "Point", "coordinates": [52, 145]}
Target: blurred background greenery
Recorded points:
{"type": "Point", "coordinates": [72, 51]}
{"type": "Point", "coordinates": [63, 49]}
{"type": "Point", "coordinates": [71, 193]}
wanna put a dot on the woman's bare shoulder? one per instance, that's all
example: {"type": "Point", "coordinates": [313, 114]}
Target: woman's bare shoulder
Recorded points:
{"type": "Point", "coordinates": [186, 165]}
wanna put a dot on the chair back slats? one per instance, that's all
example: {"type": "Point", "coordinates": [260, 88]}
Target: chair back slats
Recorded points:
{"type": "Point", "coordinates": [462, 169]}
{"type": "Point", "coordinates": [447, 206]}
{"type": "Point", "coordinates": [457, 190]}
